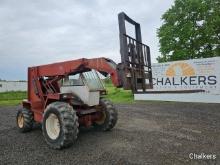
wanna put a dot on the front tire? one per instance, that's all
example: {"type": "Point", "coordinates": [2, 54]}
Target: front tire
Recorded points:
{"type": "Point", "coordinates": [25, 120]}
{"type": "Point", "coordinates": [109, 116]}
{"type": "Point", "coordinates": [60, 125]}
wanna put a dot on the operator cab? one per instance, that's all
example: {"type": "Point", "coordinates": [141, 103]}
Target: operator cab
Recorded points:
{"type": "Point", "coordinates": [87, 86]}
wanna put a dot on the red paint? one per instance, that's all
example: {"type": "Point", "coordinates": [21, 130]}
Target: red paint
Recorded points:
{"type": "Point", "coordinates": [42, 92]}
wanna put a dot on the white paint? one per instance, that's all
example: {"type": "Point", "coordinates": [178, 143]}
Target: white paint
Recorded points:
{"type": "Point", "coordinates": [190, 97]}
{"type": "Point", "coordinates": [203, 74]}
{"type": "Point", "coordinates": [53, 126]}
{"type": "Point", "coordinates": [89, 97]}
{"type": "Point", "coordinates": [6, 86]}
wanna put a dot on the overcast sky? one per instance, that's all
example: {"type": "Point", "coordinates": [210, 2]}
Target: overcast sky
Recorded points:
{"type": "Point", "coordinates": [34, 32]}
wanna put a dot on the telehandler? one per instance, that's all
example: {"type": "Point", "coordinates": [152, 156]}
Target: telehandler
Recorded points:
{"type": "Point", "coordinates": [65, 95]}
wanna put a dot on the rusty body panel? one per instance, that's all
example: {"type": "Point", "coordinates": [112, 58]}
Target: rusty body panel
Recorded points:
{"type": "Point", "coordinates": [43, 91]}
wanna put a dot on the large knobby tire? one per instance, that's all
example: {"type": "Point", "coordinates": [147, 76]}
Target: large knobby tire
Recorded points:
{"type": "Point", "coordinates": [25, 120]}
{"type": "Point", "coordinates": [60, 125]}
{"type": "Point", "coordinates": [109, 116]}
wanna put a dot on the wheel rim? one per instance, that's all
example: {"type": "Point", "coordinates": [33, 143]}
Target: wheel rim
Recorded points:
{"type": "Point", "coordinates": [102, 119]}
{"type": "Point", "coordinates": [53, 126]}
{"type": "Point", "coordinates": [20, 120]}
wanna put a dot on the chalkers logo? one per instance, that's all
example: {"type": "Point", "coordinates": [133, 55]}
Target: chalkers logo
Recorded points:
{"type": "Point", "coordinates": [180, 69]}
{"type": "Point", "coordinates": [184, 74]}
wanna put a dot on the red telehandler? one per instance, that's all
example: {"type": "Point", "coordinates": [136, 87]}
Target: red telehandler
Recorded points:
{"type": "Point", "coordinates": [63, 96]}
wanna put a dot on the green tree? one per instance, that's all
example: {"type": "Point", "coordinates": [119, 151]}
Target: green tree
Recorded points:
{"type": "Point", "coordinates": [190, 29]}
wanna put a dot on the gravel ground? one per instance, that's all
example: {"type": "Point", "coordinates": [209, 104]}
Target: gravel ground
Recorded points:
{"type": "Point", "coordinates": [146, 133]}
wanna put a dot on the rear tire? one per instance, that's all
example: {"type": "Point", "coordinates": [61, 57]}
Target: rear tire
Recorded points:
{"type": "Point", "coordinates": [60, 125]}
{"type": "Point", "coordinates": [110, 116]}
{"type": "Point", "coordinates": [24, 120]}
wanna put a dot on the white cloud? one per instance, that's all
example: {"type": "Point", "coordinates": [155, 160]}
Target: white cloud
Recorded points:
{"type": "Point", "coordinates": [40, 32]}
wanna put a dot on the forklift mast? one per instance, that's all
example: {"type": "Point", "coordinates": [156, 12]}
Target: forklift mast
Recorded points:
{"type": "Point", "coordinates": [135, 67]}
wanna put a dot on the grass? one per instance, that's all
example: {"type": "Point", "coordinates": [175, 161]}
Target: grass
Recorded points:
{"type": "Point", "coordinates": [13, 95]}
{"type": "Point", "coordinates": [12, 98]}
{"type": "Point", "coordinates": [116, 95]}
{"type": "Point", "coordinates": [9, 102]}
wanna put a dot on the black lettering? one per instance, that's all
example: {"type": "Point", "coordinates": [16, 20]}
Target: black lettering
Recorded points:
{"type": "Point", "coordinates": [174, 82]}
{"type": "Point", "coordinates": [202, 79]}
{"type": "Point", "coordinates": [212, 80]}
{"type": "Point", "coordinates": [183, 80]}
{"type": "Point", "coordinates": [192, 80]}
{"type": "Point", "coordinates": [167, 81]}
{"type": "Point", "coordinates": [158, 81]}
